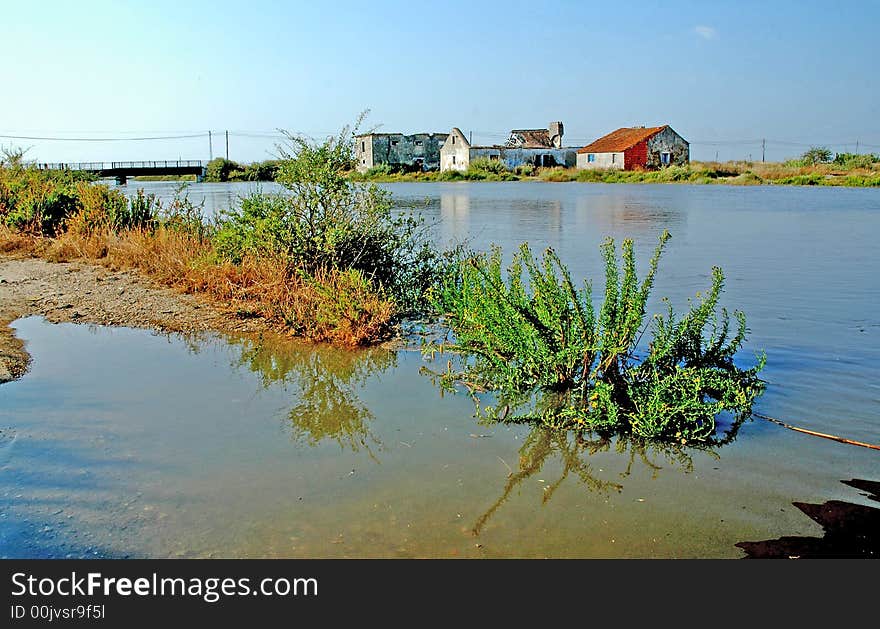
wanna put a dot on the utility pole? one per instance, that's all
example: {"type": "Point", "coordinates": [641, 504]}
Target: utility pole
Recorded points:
{"type": "Point", "coordinates": [210, 147]}
{"type": "Point", "coordinates": [857, 147]}
{"type": "Point", "coordinates": [716, 156]}
{"type": "Point", "coordinates": [763, 147]}
{"type": "Point", "coordinates": [227, 144]}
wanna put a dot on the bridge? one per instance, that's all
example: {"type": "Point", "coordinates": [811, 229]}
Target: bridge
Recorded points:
{"type": "Point", "coordinates": [123, 170]}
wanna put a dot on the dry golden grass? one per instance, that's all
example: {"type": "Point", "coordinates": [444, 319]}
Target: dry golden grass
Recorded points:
{"type": "Point", "coordinates": [68, 246]}
{"type": "Point", "coordinates": [770, 171]}
{"type": "Point", "coordinates": [17, 244]}
{"type": "Point", "coordinates": [339, 307]}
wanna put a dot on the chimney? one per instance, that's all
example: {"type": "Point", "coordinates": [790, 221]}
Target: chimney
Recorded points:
{"type": "Point", "coordinates": [556, 130]}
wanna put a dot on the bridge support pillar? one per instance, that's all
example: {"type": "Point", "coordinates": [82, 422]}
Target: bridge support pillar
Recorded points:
{"type": "Point", "coordinates": [121, 180]}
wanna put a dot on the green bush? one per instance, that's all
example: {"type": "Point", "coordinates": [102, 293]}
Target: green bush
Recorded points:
{"type": "Point", "coordinates": [182, 215]}
{"type": "Point", "coordinates": [813, 179]}
{"type": "Point", "coordinates": [536, 340]}
{"type": "Point", "coordinates": [221, 169]}
{"type": "Point", "coordinates": [329, 221]}
{"type": "Point", "coordinates": [38, 201]}
{"type": "Point", "coordinates": [261, 171]}
{"type": "Point", "coordinates": [451, 175]}
{"type": "Point", "coordinates": [816, 155]}
{"type": "Point", "coordinates": [143, 210]}
{"type": "Point", "coordinates": [856, 160]}
{"type": "Point", "coordinates": [261, 225]}
{"type": "Point", "coordinates": [99, 208]}
{"type": "Point", "coordinates": [380, 170]}
{"type": "Point", "coordinates": [489, 166]}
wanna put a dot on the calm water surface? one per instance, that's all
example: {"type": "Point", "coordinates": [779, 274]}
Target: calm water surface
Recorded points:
{"type": "Point", "coordinates": [123, 442]}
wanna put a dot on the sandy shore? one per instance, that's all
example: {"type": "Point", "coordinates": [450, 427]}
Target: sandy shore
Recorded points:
{"type": "Point", "coordinates": [83, 293]}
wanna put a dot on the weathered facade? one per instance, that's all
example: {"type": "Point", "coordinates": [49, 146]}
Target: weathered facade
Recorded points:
{"type": "Point", "coordinates": [419, 151]}
{"type": "Point", "coordinates": [455, 154]}
{"type": "Point", "coordinates": [537, 147]}
{"type": "Point", "coordinates": [636, 148]}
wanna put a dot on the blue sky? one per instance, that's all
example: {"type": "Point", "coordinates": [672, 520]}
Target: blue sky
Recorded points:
{"type": "Point", "coordinates": [724, 75]}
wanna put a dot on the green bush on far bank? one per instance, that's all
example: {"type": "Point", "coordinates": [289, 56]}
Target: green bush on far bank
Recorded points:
{"type": "Point", "coordinates": [221, 169]}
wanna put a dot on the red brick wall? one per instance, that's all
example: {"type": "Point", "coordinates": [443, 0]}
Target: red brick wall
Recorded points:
{"type": "Point", "coordinates": [636, 156]}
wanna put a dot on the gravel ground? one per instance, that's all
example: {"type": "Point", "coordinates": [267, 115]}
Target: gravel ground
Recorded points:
{"type": "Point", "coordinates": [83, 293]}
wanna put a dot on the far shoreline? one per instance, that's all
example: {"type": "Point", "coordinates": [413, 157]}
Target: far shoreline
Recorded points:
{"type": "Point", "coordinates": [695, 173]}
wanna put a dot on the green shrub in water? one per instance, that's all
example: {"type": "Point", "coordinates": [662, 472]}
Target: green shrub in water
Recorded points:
{"type": "Point", "coordinates": [538, 342]}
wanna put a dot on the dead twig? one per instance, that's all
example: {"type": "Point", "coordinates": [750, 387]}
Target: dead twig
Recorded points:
{"type": "Point", "coordinates": [817, 434]}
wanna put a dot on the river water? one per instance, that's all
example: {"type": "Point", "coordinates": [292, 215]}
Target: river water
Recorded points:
{"type": "Point", "coordinates": [123, 442]}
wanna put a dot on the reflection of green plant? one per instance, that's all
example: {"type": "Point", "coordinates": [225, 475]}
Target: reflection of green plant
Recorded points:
{"type": "Point", "coordinates": [538, 342]}
{"type": "Point", "coordinates": [328, 378]}
{"type": "Point", "coordinates": [574, 449]}
{"type": "Point", "coordinates": [540, 443]}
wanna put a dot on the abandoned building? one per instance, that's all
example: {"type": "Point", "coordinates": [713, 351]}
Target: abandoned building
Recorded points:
{"type": "Point", "coordinates": [538, 147]}
{"type": "Point", "coordinates": [420, 151]}
{"type": "Point", "coordinates": [635, 148]}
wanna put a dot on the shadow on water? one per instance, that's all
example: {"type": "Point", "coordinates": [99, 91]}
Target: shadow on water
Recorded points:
{"type": "Point", "coordinates": [327, 380]}
{"type": "Point", "coordinates": [49, 490]}
{"type": "Point", "coordinates": [851, 530]}
{"type": "Point", "coordinates": [30, 538]}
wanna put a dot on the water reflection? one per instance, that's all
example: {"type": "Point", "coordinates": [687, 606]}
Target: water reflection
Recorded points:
{"type": "Point", "coordinates": [455, 215]}
{"type": "Point", "coordinates": [574, 450]}
{"type": "Point", "coordinates": [327, 380]}
{"type": "Point", "coordinates": [851, 530]}
{"type": "Point", "coordinates": [631, 215]}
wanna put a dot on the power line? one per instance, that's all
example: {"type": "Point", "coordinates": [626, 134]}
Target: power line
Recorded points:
{"type": "Point", "coordinates": [280, 135]}
{"type": "Point", "coordinates": [141, 139]}
{"type": "Point", "coordinates": [271, 136]}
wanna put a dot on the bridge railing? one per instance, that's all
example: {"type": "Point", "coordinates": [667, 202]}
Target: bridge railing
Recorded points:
{"type": "Point", "coordinates": [103, 166]}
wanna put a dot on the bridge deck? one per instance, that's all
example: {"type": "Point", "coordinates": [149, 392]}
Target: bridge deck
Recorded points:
{"type": "Point", "coordinates": [132, 169]}
{"type": "Point", "coordinates": [96, 166]}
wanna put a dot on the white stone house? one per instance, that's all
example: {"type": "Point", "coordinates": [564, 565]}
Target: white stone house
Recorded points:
{"type": "Point", "coordinates": [538, 147]}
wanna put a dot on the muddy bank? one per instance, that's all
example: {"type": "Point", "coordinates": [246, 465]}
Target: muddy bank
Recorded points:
{"type": "Point", "coordinates": [79, 292]}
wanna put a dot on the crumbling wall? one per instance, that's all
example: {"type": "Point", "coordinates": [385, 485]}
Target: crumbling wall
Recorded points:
{"type": "Point", "coordinates": [667, 141]}
{"type": "Point", "coordinates": [517, 156]}
{"type": "Point", "coordinates": [419, 151]}
{"type": "Point", "coordinates": [363, 152]}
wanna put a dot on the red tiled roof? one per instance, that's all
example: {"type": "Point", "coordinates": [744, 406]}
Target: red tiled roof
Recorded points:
{"type": "Point", "coordinates": [622, 139]}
